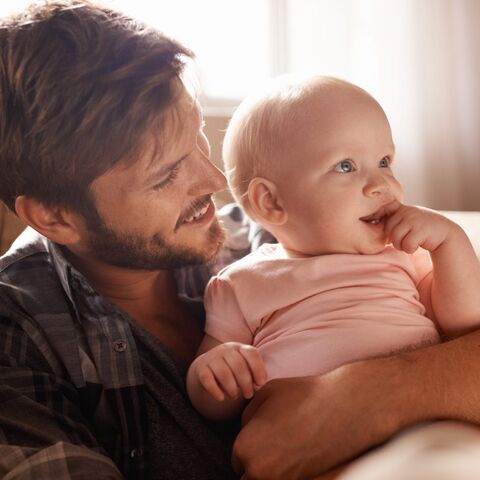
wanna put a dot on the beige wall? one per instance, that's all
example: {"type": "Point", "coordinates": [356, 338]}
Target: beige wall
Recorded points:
{"type": "Point", "coordinates": [10, 227]}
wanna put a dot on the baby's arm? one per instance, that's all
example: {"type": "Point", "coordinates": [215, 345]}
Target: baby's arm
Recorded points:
{"type": "Point", "coordinates": [222, 376]}
{"type": "Point", "coordinates": [452, 289]}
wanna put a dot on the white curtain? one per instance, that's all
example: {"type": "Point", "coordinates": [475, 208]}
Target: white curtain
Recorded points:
{"type": "Point", "coordinates": [421, 60]}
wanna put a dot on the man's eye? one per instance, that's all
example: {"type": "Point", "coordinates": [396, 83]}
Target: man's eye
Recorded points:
{"type": "Point", "coordinates": [171, 177]}
{"type": "Point", "coordinates": [345, 166]}
{"type": "Point", "coordinates": [384, 162]}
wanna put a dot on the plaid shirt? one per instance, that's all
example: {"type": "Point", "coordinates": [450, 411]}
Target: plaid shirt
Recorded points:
{"type": "Point", "coordinates": [72, 399]}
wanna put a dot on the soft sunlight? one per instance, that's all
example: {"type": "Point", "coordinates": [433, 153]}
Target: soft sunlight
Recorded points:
{"type": "Point", "coordinates": [230, 39]}
{"type": "Point", "coordinates": [12, 6]}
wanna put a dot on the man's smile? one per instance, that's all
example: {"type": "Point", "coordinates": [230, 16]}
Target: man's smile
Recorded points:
{"type": "Point", "coordinates": [201, 212]}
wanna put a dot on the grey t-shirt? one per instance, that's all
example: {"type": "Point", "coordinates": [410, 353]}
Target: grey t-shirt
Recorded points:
{"type": "Point", "coordinates": [182, 445]}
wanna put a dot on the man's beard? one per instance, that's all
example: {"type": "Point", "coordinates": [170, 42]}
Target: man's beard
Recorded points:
{"type": "Point", "coordinates": [139, 253]}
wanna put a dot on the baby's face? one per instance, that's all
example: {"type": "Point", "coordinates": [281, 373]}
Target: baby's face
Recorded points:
{"type": "Point", "coordinates": [336, 176]}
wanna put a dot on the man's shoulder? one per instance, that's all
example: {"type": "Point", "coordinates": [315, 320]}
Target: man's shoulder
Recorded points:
{"type": "Point", "coordinates": [29, 248]}
{"type": "Point", "coordinates": [27, 264]}
{"type": "Point", "coordinates": [35, 313]}
{"type": "Point", "coordinates": [26, 275]}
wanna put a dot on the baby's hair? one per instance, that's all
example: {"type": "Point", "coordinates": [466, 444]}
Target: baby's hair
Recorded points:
{"type": "Point", "coordinates": [258, 130]}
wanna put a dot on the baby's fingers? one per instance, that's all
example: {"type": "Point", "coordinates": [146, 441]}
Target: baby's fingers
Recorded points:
{"type": "Point", "coordinates": [412, 241]}
{"type": "Point", "coordinates": [208, 381]}
{"type": "Point", "coordinates": [242, 372]}
{"type": "Point", "coordinates": [391, 224]}
{"type": "Point", "coordinates": [392, 207]}
{"type": "Point", "coordinates": [256, 364]}
{"type": "Point", "coordinates": [398, 233]}
{"type": "Point", "coordinates": [395, 216]}
{"type": "Point", "coordinates": [226, 375]}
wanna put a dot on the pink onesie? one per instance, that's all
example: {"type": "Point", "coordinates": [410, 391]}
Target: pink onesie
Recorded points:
{"type": "Point", "coordinates": [308, 315]}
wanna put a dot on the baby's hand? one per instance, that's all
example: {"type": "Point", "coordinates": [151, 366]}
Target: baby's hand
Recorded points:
{"type": "Point", "coordinates": [410, 227]}
{"type": "Point", "coordinates": [231, 368]}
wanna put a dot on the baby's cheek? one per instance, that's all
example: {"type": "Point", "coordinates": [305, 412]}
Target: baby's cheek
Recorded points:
{"type": "Point", "coordinates": [397, 190]}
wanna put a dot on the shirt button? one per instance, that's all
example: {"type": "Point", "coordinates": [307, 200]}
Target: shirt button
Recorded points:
{"type": "Point", "coordinates": [120, 345]}
{"type": "Point", "coordinates": [136, 453]}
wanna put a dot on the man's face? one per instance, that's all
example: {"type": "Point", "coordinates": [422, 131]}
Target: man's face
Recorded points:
{"type": "Point", "coordinates": [157, 212]}
{"type": "Point", "coordinates": [335, 190]}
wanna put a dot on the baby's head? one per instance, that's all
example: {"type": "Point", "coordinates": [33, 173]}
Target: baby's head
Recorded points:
{"type": "Point", "coordinates": [310, 159]}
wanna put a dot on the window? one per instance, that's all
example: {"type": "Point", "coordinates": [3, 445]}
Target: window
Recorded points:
{"type": "Point", "coordinates": [233, 41]}
{"type": "Point", "coordinates": [239, 44]}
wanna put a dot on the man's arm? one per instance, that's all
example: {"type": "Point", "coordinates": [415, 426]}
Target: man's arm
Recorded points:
{"type": "Point", "coordinates": [301, 427]}
{"type": "Point", "coordinates": [42, 441]}
{"type": "Point", "coordinates": [43, 432]}
{"type": "Point", "coordinates": [61, 461]}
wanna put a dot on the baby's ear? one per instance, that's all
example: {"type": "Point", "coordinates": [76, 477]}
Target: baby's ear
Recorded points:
{"type": "Point", "coordinates": [265, 202]}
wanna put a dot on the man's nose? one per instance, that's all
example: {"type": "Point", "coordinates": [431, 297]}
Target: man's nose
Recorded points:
{"type": "Point", "coordinates": [206, 178]}
{"type": "Point", "coordinates": [376, 186]}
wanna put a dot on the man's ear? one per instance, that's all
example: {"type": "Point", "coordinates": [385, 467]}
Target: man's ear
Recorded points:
{"type": "Point", "coordinates": [55, 223]}
{"type": "Point", "coordinates": [265, 201]}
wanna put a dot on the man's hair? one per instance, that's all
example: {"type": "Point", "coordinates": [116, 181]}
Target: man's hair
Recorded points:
{"type": "Point", "coordinates": [258, 132]}
{"type": "Point", "coordinates": [80, 86]}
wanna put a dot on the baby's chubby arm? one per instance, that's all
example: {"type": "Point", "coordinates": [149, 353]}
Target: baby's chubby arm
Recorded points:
{"type": "Point", "coordinates": [222, 376]}
{"type": "Point", "coordinates": [450, 291]}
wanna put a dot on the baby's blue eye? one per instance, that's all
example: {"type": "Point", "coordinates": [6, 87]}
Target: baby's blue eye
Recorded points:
{"type": "Point", "coordinates": [384, 163]}
{"type": "Point", "coordinates": [345, 166]}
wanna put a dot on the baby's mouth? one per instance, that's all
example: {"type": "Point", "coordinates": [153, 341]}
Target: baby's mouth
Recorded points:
{"type": "Point", "coordinates": [375, 218]}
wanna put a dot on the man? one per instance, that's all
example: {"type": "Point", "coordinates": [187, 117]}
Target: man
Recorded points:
{"type": "Point", "coordinates": [102, 153]}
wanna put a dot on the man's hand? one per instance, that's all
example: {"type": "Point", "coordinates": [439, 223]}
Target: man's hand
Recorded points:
{"type": "Point", "coordinates": [231, 369]}
{"type": "Point", "coordinates": [298, 428]}
{"type": "Point", "coordinates": [409, 227]}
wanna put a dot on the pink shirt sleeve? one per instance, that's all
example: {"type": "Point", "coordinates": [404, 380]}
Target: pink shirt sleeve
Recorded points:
{"type": "Point", "coordinates": [225, 321]}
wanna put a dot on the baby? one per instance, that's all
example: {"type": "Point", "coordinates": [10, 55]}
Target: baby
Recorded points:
{"type": "Point", "coordinates": [356, 273]}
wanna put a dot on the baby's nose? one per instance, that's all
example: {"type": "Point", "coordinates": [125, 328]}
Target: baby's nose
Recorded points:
{"type": "Point", "coordinates": [376, 187]}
